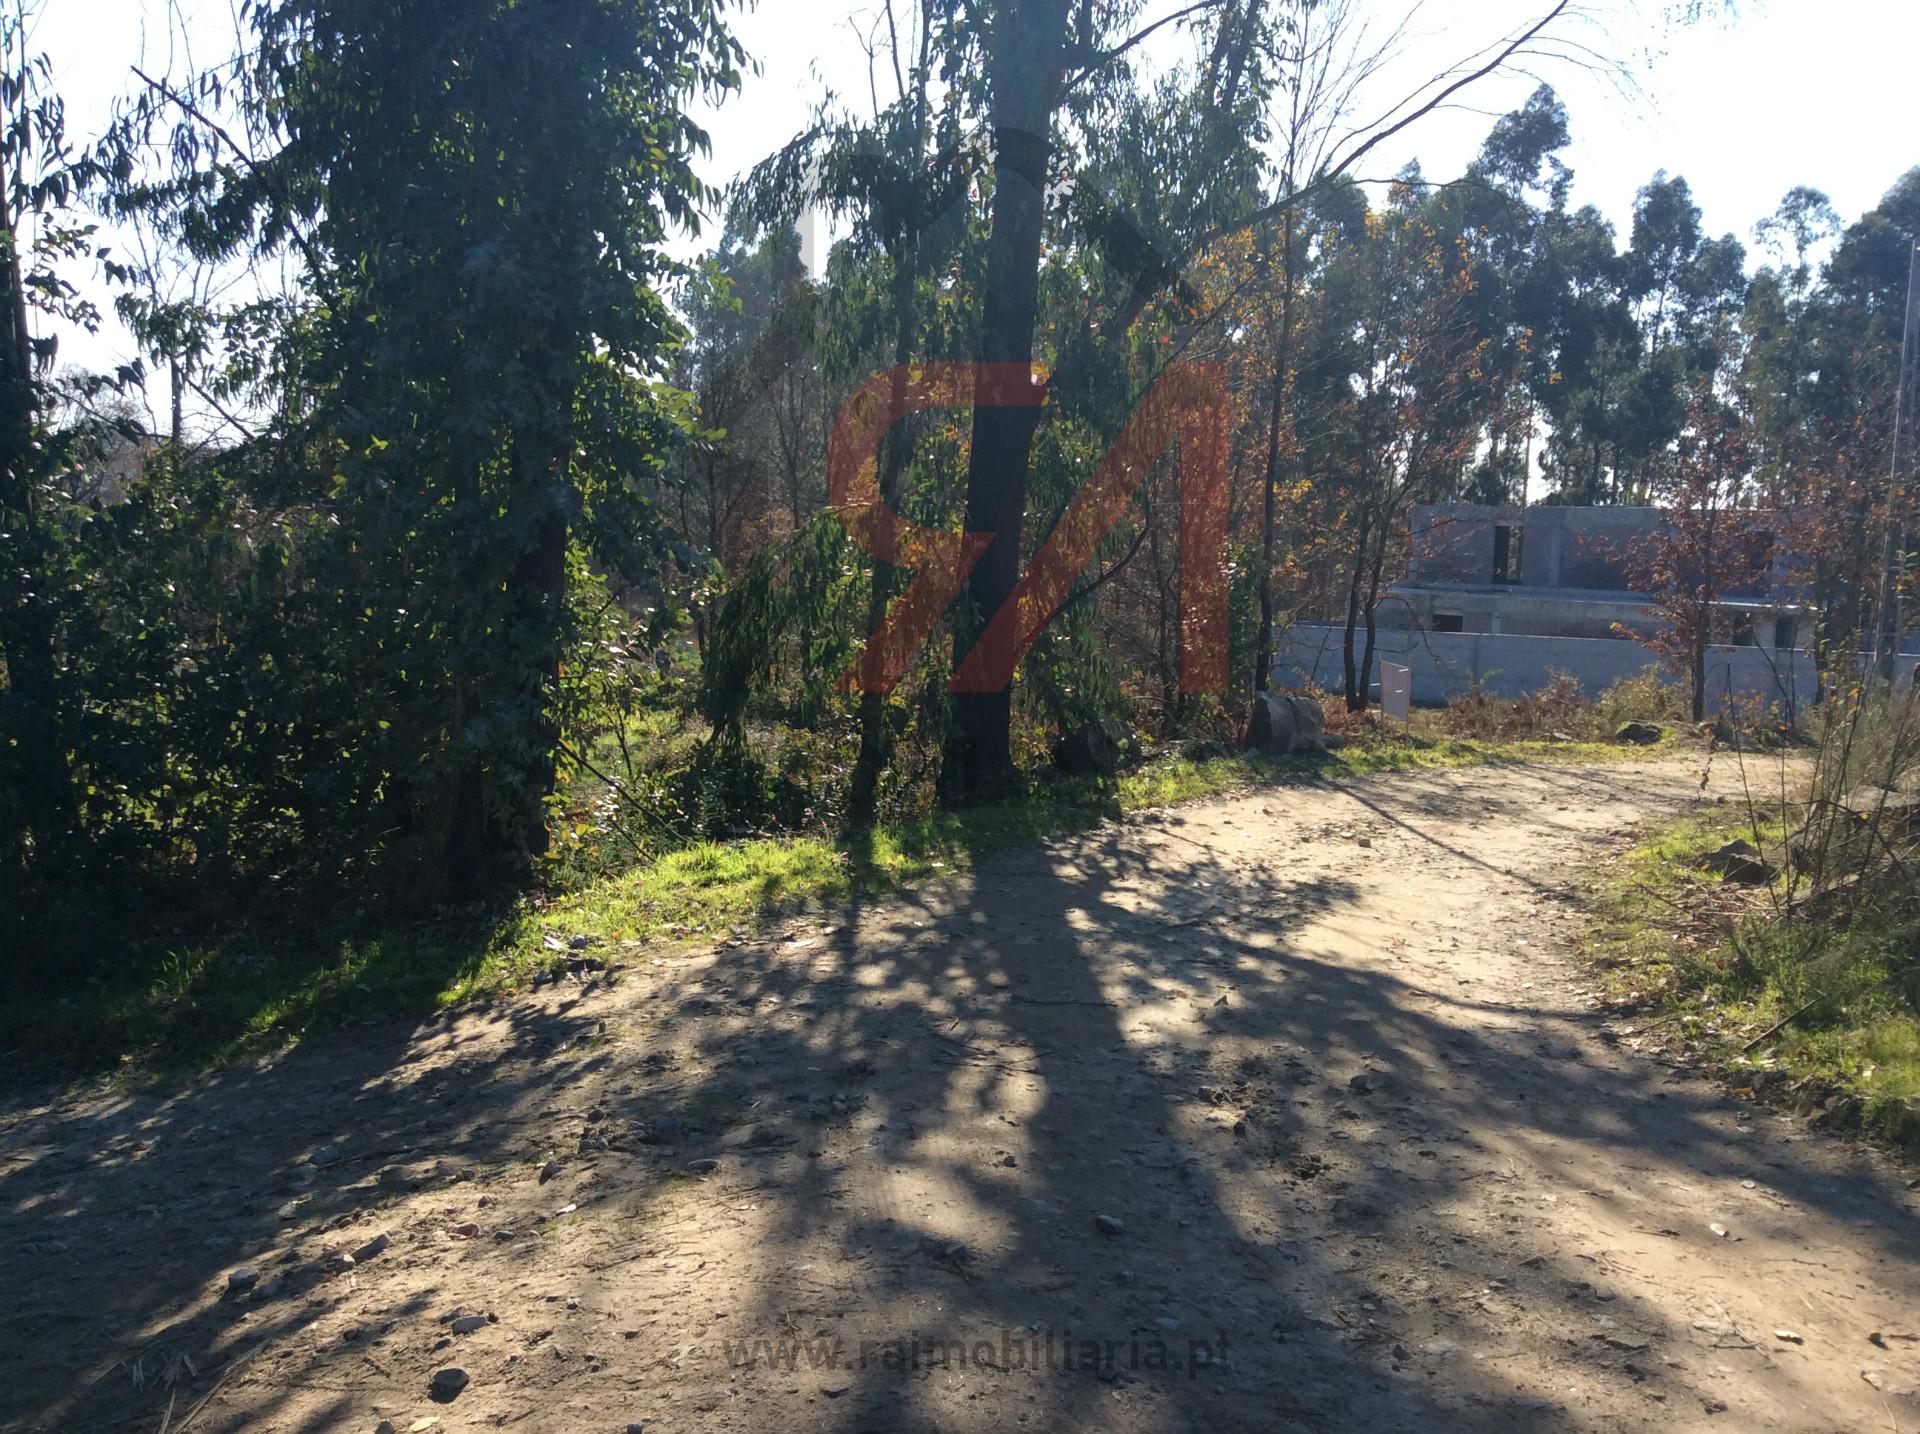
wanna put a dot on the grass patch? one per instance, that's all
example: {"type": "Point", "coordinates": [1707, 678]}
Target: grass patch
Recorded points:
{"type": "Point", "coordinates": [159, 1005]}
{"type": "Point", "coordinates": [711, 888]}
{"type": "Point", "coordinates": [1714, 969]}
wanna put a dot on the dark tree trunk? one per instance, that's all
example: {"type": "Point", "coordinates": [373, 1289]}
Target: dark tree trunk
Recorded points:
{"type": "Point", "coordinates": [1263, 646]}
{"type": "Point", "coordinates": [1355, 697]}
{"type": "Point", "coordinates": [1697, 679]}
{"type": "Point", "coordinates": [876, 740]}
{"type": "Point", "coordinates": [1703, 626]}
{"type": "Point", "coordinates": [1372, 611]}
{"type": "Point", "coordinates": [1026, 59]}
{"type": "Point", "coordinates": [538, 590]}
{"type": "Point", "coordinates": [498, 816]}
{"type": "Point", "coordinates": [27, 638]}
{"type": "Point", "coordinates": [1282, 360]}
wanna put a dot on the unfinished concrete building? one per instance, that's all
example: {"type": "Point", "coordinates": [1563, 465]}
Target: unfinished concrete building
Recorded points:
{"type": "Point", "coordinates": [1504, 598]}
{"type": "Point", "coordinates": [1566, 572]}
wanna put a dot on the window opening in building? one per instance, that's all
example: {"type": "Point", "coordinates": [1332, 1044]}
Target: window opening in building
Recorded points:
{"type": "Point", "coordinates": [1449, 622]}
{"type": "Point", "coordinates": [1508, 541]}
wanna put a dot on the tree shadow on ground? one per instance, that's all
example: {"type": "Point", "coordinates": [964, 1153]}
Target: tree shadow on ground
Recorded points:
{"type": "Point", "coordinates": [126, 1212]}
{"type": "Point", "coordinates": [1048, 1025]}
{"type": "Point", "coordinates": [1324, 1167]}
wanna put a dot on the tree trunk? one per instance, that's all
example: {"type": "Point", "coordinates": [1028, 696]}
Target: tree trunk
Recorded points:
{"type": "Point", "coordinates": [1697, 677]}
{"type": "Point", "coordinates": [1372, 611]}
{"type": "Point", "coordinates": [1283, 359]}
{"type": "Point", "coordinates": [498, 816]}
{"type": "Point", "coordinates": [538, 593]}
{"type": "Point", "coordinates": [1026, 59]}
{"type": "Point", "coordinates": [1703, 627]}
{"type": "Point", "coordinates": [1887, 622]}
{"type": "Point", "coordinates": [465, 857]}
{"type": "Point", "coordinates": [876, 741]}
{"type": "Point", "coordinates": [1356, 700]}
{"type": "Point", "coordinates": [1263, 646]}
{"type": "Point", "coordinates": [27, 638]}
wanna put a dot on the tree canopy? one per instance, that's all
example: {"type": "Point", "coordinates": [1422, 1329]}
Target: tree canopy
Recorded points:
{"type": "Point", "coordinates": [515, 554]}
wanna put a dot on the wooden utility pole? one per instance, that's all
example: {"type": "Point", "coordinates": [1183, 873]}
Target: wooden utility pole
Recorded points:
{"type": "Point", "coordinates": [1894, 560]}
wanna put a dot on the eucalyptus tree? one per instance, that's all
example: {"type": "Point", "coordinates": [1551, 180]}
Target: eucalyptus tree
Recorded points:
{"type": "Point", "coordinates": [1778, 375]}
{"type": "Point", "coordinates": [1503, 210]}
{"type": "Point", "coordinates": [1042, 94]}
{"type": "Point", "coordinates": [1025, 50]}
{"type": "Point", "coordinates": [1155, 159]}
{"type": "Point", "coordinates": [1685, 290]}
{"type": "Point", "coordinates": [42, 238]}
{"type": "Point", "coordinates": [1587, 354]}
{"type": "Point", "coordinates": [472, 195]}
{"type": "Point", "coordinates": [1856, 317]}
{"type": "Point", "coordinates": [752, 366]}
{"type": "Point", "coordinates": [1798, 476]}
{"type": "Point", "coordinates": [898, 177]}
{"type": "Point", "coordinates": [1412, 349]}
{"type": "Point", "coordinates": [1034, 53]}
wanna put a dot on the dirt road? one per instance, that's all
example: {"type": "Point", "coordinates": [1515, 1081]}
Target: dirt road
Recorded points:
{"type": "Point", "coordinates": [1273, 1113]}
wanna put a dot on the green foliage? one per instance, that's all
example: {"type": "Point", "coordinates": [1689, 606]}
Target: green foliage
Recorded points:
{"type": "Point", "coordinates": [520, 570]}
{"type": "Point", "coordinates": [281, 975]}
{"type": "Point", "coordinates": [479, 348]}
{"type": "Point", "coordinates": [1559, 712]}
{"type": "Point", "coordinates": [1646, 697]}
{"type": "Point", "coordinates": [1820, 996]}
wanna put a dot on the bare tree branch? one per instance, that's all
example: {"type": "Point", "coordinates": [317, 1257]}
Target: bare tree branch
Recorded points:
{"type": "Point", "coordinates": [1108, 56]}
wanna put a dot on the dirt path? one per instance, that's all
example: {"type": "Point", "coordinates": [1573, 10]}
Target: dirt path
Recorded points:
{"type": "Point", "coordinates": [1315, 1056]}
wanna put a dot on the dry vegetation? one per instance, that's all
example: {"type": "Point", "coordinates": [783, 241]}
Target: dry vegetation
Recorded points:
{"type": "Point", "coordinates": [1798, 976]}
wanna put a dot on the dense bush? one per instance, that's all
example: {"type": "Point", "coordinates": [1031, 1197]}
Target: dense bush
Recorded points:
{"type": "Point", "coordinates": [1560, 711]}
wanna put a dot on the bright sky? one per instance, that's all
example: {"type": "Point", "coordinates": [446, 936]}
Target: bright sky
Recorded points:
{"type": "Point", "coordinates": [1790, 92]}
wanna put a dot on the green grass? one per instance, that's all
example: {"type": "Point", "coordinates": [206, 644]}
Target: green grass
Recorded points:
{"type": "Point", "coordinates": [1714, 968]}
{"type": "Point", "coordinates": [712, 887]}
{"type": "Point", "coordinates": [160, 1005]}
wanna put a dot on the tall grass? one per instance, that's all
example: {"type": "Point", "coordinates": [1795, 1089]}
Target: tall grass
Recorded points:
{"type": "Point", "coordinates": [1813, 977]}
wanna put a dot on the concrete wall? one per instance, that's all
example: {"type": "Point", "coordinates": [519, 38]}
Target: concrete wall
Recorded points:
{"type": "Point", "coordinates": [1446, 664]}
{"type": "Point", "coordinates": [1454, 543]}
{"type": "Point", "coordinates": [1540, 611]}
{"type": "Point", "coordinates": [1586, 548]}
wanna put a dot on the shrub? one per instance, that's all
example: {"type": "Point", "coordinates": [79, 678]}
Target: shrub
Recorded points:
{"type": "Point", "coordinates": [1557, 710]}
{"type": "Point", "coordinates": [1644, 697]}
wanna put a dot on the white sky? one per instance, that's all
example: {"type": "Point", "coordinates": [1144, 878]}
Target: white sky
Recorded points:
{"type": "Point", "coordinates": [1816, 92]}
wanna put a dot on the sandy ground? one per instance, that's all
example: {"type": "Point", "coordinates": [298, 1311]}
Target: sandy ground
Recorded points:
{"type": "Point", "coordinates": [1288, 1111]}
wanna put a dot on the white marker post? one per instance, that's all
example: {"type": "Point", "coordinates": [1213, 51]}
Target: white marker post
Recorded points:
{"type": "Point", "coordinates": [1396, 691]}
